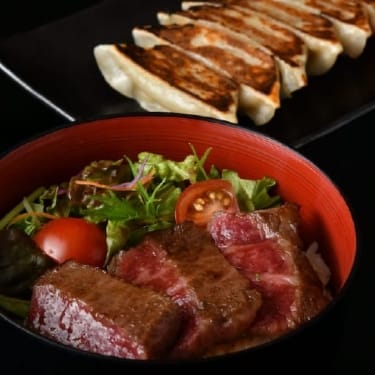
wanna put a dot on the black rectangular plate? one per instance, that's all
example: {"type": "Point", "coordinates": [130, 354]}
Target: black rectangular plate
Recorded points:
{"type": "Point", "coordinates": [55, 63]}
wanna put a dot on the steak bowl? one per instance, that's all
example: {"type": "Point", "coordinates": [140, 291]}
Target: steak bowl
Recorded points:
{"type": "Point", "coordinates": [326, 217]}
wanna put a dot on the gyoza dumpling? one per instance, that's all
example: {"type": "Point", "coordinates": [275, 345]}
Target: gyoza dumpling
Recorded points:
{"type": "Point", "coordinates": [289, 50]}
{"type": "Point", "coordinates": [317, 32]}
{"type": "Point", "coordinates": [369, 7]}
{"type": "Point", "coordinates": [348, 17]}
{"type": "Point", "coordinates": [167, 80]}
{"type": "Point", "coordinates": [253, 69]}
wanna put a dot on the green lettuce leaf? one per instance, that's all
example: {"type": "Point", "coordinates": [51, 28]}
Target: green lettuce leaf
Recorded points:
{"type": "Point", "coordinates": [252, 194]}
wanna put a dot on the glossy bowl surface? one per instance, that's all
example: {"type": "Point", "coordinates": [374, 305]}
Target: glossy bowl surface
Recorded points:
{"type": "Point", "coordinates": [57, 155]}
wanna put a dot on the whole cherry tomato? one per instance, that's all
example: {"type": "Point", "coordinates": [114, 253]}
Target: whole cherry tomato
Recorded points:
{"type": "Point", "coordinates": [73, 238]}
{"type": "Point", "coordinates": [199, 201]}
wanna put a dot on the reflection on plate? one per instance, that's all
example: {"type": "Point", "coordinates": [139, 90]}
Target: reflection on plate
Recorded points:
{"type": "Point", "coordinates": [55, 63]}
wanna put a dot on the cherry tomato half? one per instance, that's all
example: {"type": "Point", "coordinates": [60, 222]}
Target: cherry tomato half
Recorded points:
{"type": "Point", "coordinates": [199, 201]}
{"type": "Point", "coordinates": [73, 238]}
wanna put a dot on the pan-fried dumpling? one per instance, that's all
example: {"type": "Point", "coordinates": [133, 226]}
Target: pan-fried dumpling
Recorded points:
{"type": "Point", "coordinates": [317, 32]}
{"type": "Point", "coordinates": [253, 69]}
{"type": "Point", "coordinates": [289, 50]}
{"type": "Point", "coordinates": [167, 80]}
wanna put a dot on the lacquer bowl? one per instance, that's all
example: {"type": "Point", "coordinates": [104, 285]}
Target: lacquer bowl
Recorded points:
{"type": "Point", "coordinates": [325, 214]}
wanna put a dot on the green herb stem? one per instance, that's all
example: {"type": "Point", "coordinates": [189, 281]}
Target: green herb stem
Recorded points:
{"type": "Point", "coordinates": [16, 306]}
{"type": "Point", "coordinates": [20, 207]}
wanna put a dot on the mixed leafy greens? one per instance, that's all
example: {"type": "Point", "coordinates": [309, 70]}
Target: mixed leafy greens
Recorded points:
{"type": "Point", "coordinates": [126, 198]}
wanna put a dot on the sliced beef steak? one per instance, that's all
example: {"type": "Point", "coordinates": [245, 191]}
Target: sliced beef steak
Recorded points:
{"type": "Point", "coordinates": [218, 302]}
{"type": "Point", "coordinates": [265, 247]}
{"type": "Point", "coordinates": [88, 309]}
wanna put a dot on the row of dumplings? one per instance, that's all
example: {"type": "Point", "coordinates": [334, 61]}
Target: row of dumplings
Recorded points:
{"type": "Point", "coordinates": [221, 58]}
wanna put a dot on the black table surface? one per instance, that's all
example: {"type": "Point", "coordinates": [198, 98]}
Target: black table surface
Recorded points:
{"type": "Point", "coordinates": [343, 343]}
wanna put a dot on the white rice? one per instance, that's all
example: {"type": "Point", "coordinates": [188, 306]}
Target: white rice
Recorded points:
{"type": "Point", "coordinates": [318, 264]}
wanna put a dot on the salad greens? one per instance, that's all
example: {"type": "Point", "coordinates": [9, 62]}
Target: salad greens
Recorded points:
{"type": "Point", "coordinates": [127, 198]}
{"type": "Point", "coordinates": [252, 194]}
{"type": "Point", "coordinates": [21, 261]}
{"type": "Point", "coordinates": [131, 198]}
{"type": "Point", "coordinates": [16, 306]}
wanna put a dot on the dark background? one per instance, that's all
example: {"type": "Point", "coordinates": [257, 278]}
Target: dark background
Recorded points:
{"type": "Point", "coordinates": [343, 343]}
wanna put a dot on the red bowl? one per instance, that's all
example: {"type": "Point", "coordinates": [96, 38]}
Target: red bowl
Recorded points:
{"type": "Point", "coordinates": [55, 156]}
